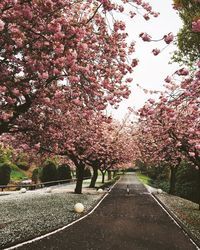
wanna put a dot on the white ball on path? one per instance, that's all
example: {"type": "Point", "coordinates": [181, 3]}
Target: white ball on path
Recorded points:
{"type": "Point", "coordinates": [23, 190]}
{"type": "Point", "coordinates": [48, 190]}
{"type": "Point", "coordinates": [78, 208]}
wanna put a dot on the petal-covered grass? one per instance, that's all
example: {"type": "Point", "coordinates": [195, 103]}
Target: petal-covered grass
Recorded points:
{"type": "Point", "coordinates": [25, 216]}
{"type": "Point", "coordinates": [186, 211]}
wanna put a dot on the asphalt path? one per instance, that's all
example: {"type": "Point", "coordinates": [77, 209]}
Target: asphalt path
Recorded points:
{"type": "Point", "coordinates": [121, 222]}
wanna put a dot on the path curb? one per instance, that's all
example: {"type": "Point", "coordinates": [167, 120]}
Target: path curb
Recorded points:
{"type": "Point", "coordinates": [186, 231]}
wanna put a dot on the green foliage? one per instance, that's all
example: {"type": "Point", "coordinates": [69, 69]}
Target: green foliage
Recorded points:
{"type": "Point", "coordinates": [22, 161]}
{"type": "Point", "coordinates": [17, 175]}
{"type": "Point", "coordinates": [188, 41]}
{"type": "Point", "coordinates": [156, 183]}
{"type": "Point", "coordinates": [5, 171]}
{"type": "Point", "coordinates": [35, 175]}
{"type": "Point", "coordinates": [8, 158]}
{"type": "Point", "coordinates": [144, 179]}
{"type": "Point", "coordinates": [48, 171]}
{"type": "Point", "coordinates": [23, 165]}
{"type": "Point", "coordinates": [162, 184]}
{"type": "Point", "coordinates": [5, 154]}
{"type": "Point", "coordinates": [187, 182]}
{"type": "Point", "coordinates": [158, 173]}
{"type": "Point", "coordinates": [64, 172]}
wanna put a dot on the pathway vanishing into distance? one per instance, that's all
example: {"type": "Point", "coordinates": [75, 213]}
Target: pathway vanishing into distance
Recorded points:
{"type": "Point", "coordinates": [121, 222]}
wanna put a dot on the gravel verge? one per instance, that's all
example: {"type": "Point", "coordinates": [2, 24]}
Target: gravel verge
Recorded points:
{"type": "Point", "coordinates": [186, 212]}
{"type": "Point", "coordinates": [26, 216]}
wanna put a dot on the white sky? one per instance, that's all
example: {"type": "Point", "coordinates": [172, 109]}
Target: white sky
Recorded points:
{"type": "Point", "coordinates": [152, 70]}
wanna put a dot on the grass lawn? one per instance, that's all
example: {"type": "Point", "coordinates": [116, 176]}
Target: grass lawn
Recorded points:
{"type": "Point", "coordinates": [17, 175]}
{"type": "Point", "coordinates": [143, 178]}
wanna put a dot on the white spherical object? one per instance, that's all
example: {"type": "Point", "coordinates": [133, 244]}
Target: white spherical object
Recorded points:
{"type": "Point", "coordinates": [48, 190]}
{"type": "Point", "coordinates": [23, 190]}
{"type": "Point", "coordinates": [78, 208]}
{"type": "Point", "coordinates": [159, 191]}
{"type": "Point", "coordinates": [100, 190]}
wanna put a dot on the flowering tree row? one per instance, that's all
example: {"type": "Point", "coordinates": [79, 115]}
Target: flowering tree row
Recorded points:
{"type": "Point", "coordinates": [61, 63]}
{"type": "Point", "coordinates": [53, 48]}
{"type": "Point", "coordinates": [169, 129]}
{"type": "Point", "coordinates": [82, 136]}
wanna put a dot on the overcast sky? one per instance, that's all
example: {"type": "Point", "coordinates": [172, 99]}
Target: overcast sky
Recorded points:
{"type": "Point", "coordinates": [152, 70]}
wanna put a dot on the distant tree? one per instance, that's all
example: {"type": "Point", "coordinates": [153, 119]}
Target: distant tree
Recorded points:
{"type": "Point", "coordinates": [189, 36]}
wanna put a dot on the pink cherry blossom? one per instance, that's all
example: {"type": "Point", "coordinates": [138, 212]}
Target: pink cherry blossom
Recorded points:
{"type": "Point", "coordinates": [134, 62]}
{"type": "Point", "coordinates": [44, 75]}
{"type": "Point", "coordinates": [182, 72]}
{"type": "Point", "coordinates": [145, 37]}
{"type": "Point", "coordinates": [16, 92]}
{"type": "Point", "coordinates": [196, 26]}
{"type": "Point", "coordinates": [169, 38]}
{"type": "Point", "coordinates": [2, 24]}
{"type": "Point", "coordinates": [156, 52]}
{"type": "Point", "coordinates": [197, 146]}
{"type": "Point", "coordinates": [146, 17]}
{"type": "Point", "coordinates": [168, 79]}
{"type": "Point", "coordinates": [192, 154]}
{"type": "Point", "coordinates": [67, 49]}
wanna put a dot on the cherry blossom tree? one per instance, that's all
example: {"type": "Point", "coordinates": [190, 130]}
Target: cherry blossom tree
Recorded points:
{"type": "Point", "coordinates": [61, 47]}
{"type": "Point", "coordinates": [84, 136]}
{"type": "Point", "coordinates": [172, 123]}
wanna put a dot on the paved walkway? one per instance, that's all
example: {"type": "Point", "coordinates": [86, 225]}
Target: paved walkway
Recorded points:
{"type": "Point", "coordinates": [121, 222]}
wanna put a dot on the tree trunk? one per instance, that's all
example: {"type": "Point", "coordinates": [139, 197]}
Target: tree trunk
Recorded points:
{"type": "Point", "coordinates": [79, 176]}
{"type": "Point", "coordinates": [199, 188]}
{"type": "Point", "coordinates": [94, 177]}
{"type": "Point", "coordinates": [109, 175]}
{"type": "Point", "coordinates": [172, 187]}
{"type": "Point", "coordinates": [103, 176]}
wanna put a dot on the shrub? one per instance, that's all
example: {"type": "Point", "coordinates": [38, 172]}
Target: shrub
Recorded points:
{"type": "Point", "coordinates": [5, 171]}
{"type": "Point", "coordinates": [159, 173]}
{"type": "Point", "coordinates": [23, 165]}
{"type": "Point", "coordinates": [187, 182]}
{"type": "Point", "coordinates": [48, 172]}
{"type": "Point", "coordinates": [35, 175]}
{"type": "Point", "coordinates": [164, 185]}
{"type": "Point", "coordinates": [64, 172]}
